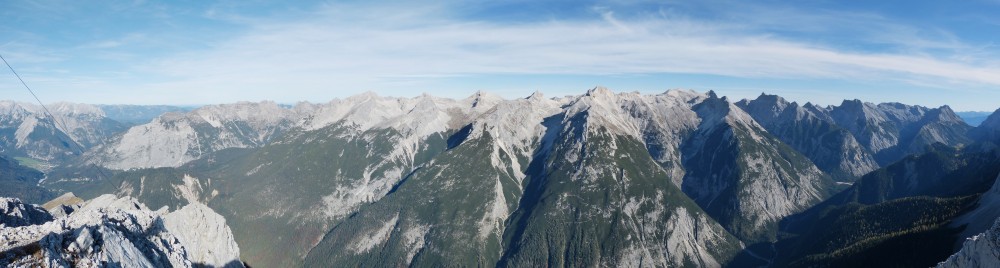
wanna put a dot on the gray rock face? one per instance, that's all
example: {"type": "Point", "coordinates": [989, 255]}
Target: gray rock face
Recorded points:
{"type": "Point", "coordinates": [982, 217]}
{"type": "Point", "coordinates": [852, 139]}
{"type": "Point", "coordinates": [892, 130]}
{"type": "Point", "coordinates": [744, 177]}
{"type": "Point", "coordinates": [502, 171]}
{"type": "Point", "coordinates": [993, 121]}
{"type": "Point", "coordinates": [63, 205]}
{"type": "Point", "coordinates": [530, 187]}
{"type": "Point", "coordinates": [173, 139]}
{"type": "Point", "coordinates": [14, 213]}
{"type": "Point", "coordinates": [25, 129]}
{"type": "Point", "coordinates": [989, 130]}
{"type": "Point", "coordinates": [832, 148]}
{"type": "Point", "coordinates": [205, 235]}
{"type": "Point", "coordinates": [982, 250]}
{"type": "Point", "coordinates": [105, 230]}
{"type": "Point", "coordinates": [878, 127]}
{"type": "Point", "coordinates": [376, 158]}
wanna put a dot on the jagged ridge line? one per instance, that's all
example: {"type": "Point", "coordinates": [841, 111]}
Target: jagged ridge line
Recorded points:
{"type": "Point", "coordinates": [55, 120]}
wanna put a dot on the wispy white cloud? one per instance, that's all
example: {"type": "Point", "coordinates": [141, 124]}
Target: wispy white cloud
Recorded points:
{"type": "Point", "coordinates": [344, 47]}
{"type": "Point", "coordinates": [337, 49]}
{"type": "Point", "coordinates": [104, 44]}
{"type": "Point", "coordinates": [609, 17]}
{"type": "Point", "coordinates": [26, 53]}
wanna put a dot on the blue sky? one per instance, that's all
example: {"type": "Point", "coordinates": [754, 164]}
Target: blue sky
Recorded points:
{"type": "Point", "coordinates": [197, 52]}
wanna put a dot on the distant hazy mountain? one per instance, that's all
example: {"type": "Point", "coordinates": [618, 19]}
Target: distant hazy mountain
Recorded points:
{"type": "Point", "coordinates": [989, 129]}
{"type": "Point", "coordinates": [27, 131]}
{"type": "Point", "coordinates": [974, 118]}
{"type": "Point", "coordinates": [173, 139]}
{"type": "Point", "coordinates": [140, 114]}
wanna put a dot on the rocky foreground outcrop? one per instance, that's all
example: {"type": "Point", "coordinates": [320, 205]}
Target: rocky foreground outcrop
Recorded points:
{"type": "Point", "coordinates": [117, 232]}
{"type": "Point", "coordinates": [982, 250]}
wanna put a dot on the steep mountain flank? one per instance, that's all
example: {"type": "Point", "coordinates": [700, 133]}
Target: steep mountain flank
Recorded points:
{"type": "Point", "coordinates": [173, 139]}
{"type": "Point", "coordinates": [27, 131]}
{"type": "Point", "coordinates": [744, 177]}
{"type": "Point", "coordinates": [982, 250]}
{"type": "Point", "coordinates": [18, 181]}
{"type": "Point", "coordinates": [891, 131]}
{"type": "Point", "coordinates": [913, 210]}
{"type": "Point", "coordinates": [832, 148]}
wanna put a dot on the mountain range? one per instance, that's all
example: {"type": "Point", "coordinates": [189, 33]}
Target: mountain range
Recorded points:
{"type": "Point", "coordinates": [680, 178]}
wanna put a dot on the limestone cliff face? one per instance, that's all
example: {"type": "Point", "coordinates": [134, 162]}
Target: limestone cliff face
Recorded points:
{"type": "Point", "coordinates": [27, 130]}
{"type": "Point", "coordinates": [205, 235]}
{"type": "Point", "coordinates": [982, 250]}
{"type": "Point", "coordinates": [112, 230]}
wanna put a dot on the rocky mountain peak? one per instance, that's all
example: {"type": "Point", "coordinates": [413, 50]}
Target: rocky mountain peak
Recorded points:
{"type": "Point", "coordinates": [943, 114]}
{"type": "Point", "coordinates": [600, 92]}
{"type": "Point", "coordinates": [8, 105]}
{"type": "Point", "coordinates": [767, 108]}
{"type": "Point", "coordinates": [901, 112]}
{"type": "Point", "coordinates": [18, 108]}
{"type": "Point", "coordinates": [14, 213]}
{"type": "Point", "coordinates": [808, 129]}
{"type": "Point", "coordinates": [713, 108]}
{"type": "Point", "coordinates": [537, 95]}
{"type": "Point", "coordinates": [367, 95]}
{"type": "Point", "coordinates": [484, 99]}
{"type": "Point", "coordinates": [771, 99]}
{"type": "Point", "coordinates": [853, 103]}
{"type": "Point", "coordinates": [683, 94]}
{"type": "Point", "coordinates": [854, 108]}
{"type": "Point", "coordinates": [75, 109]}
{"type": "Point", "coordinates": [711, 94]}
{"type": "Point", "coordinates": [425, 103]}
